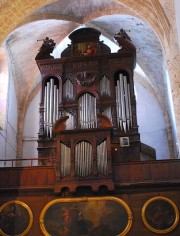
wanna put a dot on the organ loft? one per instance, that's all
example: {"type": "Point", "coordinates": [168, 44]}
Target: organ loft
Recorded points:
{"type": "Point", "coordinates": [88, 123]}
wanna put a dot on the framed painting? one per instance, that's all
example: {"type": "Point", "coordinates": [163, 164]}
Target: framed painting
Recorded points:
{"type": "Point", "coordinates": [124, 141]}
{"type": "Point", "coordinates": [160, 215]}
{"type": "Point", "coordinates": [86, 217]}
{"type": "Point", "coordinates": [16, 218]}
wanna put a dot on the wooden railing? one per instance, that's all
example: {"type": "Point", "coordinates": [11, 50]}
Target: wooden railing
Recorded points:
{"type": "Point", "coordinates": [27, 173]}
{"type": "Point", "coordinates": [144, 172]}
{"type": "Point", "coordinates": [43, 161]}
{"type": "Point", "coordinates": [27, 177]}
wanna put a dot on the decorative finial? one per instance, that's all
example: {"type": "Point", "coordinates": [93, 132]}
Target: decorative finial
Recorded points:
{"type": "Point", "coordinates": [122, 34]}
{"type": "Point", "coordinates": [47, 43]}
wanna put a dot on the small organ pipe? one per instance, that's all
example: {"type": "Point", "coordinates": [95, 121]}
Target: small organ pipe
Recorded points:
{"type": "Point", "coordinates": [95, 119]}
{"type": "Point", "coordinates": [80, 158]}
{"type": "Point", "coordinates": [91, 159]}
{"type": "Point", "coordinates": [122, 102]}
{"type": "Point", "coordinates": [55, 100]}
{"type": "Point", "coordinates": [57, 104]}
{"type": "Point", "coordinates": [86, 110]}
{"type": "Point", "coordinates": [102, 157]}
{"type": "Point", "coordinates": [80, 111]}
{"type": "Point", "coordinates": [129, 102]}
{"type": "Point", "coordinates": [83, 159]}
{"type": "Point", "coordinates": [48, 102]}
{"type": "Point", "coordinates": [119, 92]}
{"type": "Point", "coordinates": [105, 86]}
{"type": "Point", "coordinates": [68, 89]}
{"type": "Point", "coordinates": [89, 164]}
{"type": "Point", "coordinates": [65, 160]}
{"type": "Point", "coordinates": [126, 101]}
{"type": "Point", "coordinates": [117, 103]}
{"type": "Point", "coordinates": [45, 108]}
{"type": "Point", "coordinates": [91, 111]}
{"type": "Point", "coordinates": [51, 106]}
{"type": "Point", "coordinates": [76, 159]}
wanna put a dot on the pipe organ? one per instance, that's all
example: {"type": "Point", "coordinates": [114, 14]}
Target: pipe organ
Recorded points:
{"type": "Point", "coordinates": [88, 109]}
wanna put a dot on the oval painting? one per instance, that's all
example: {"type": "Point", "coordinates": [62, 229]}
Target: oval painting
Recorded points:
{"type": "Point", "coordinates": [15, 218]}
{"type": "Point", "coordinates": [107, 216]}
{"type": "Point", "coordinates": [160, 215]}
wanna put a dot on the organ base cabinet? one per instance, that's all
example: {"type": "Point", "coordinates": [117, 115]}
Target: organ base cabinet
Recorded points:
{"type": "Point", "coordinates": [88, 109]}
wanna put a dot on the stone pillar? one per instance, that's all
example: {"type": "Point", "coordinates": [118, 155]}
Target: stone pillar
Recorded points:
{"type": "Point", "coordinates": [20, 133]}
{"type": "Point", "coordinates": [173, 66]}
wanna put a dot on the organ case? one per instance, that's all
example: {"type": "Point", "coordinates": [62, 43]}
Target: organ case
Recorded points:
{"type": "Point", "coordinates": [88, 109]}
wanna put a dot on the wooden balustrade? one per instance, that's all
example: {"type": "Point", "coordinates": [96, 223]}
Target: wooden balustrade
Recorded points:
{"type": "Point", "coordinates": [144, 172]}
{"type": "Point", "coordinates": [43, 161]}
{"type": "Point", "coordinates": [27, 173]}
{"type": "Point", "coordinates": [125, 174]}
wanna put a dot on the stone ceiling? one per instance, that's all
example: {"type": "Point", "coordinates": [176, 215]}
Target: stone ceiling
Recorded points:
{"type": "Point", "coordinates": [58, 19]}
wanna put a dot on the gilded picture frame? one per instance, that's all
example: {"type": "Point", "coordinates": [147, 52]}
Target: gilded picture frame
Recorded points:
{"type": "Point", "coordinates": [160, 215]}
{"type": "Point", "coordinates": [16, 218]}
{"type": "Point", "coordinates": [86, 216]}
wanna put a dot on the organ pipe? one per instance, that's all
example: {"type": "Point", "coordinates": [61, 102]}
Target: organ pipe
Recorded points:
{"type": "Point", "coordinates": [129, 102]}
{"type": "Point", "coordinates": [51, 111]}
{"type": "Point", "coordinates": [68, 89]}
{"type": "Point", "coordinates": [83, 159]}
{"type": "Point", "coordinates": [54, 104]}
{"type": "Point", "coordinates": [126, 101]}
{"type": "Point", "coordinates": [87, 111]}
{"type": "Point", "coordinates": [65, 160]}
{"type": "Point", "coordinates": [47, 109]}
{"type": "Point", "coordinates": [45, 103]}
{"type": "Point", "coordinates": [102, 158]}
{"type": "Point", "coordinates": [123, 104]}
{"type": "Point", "coordinates": [57, 104]}
{"type": "Point", "coordinates": [105, 86]}
{"type": "Point", "coordinates": [51, 103]}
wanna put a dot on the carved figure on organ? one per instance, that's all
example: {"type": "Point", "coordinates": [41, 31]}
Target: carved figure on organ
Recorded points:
{"type": "Point", "coordinates": [89, 50]}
